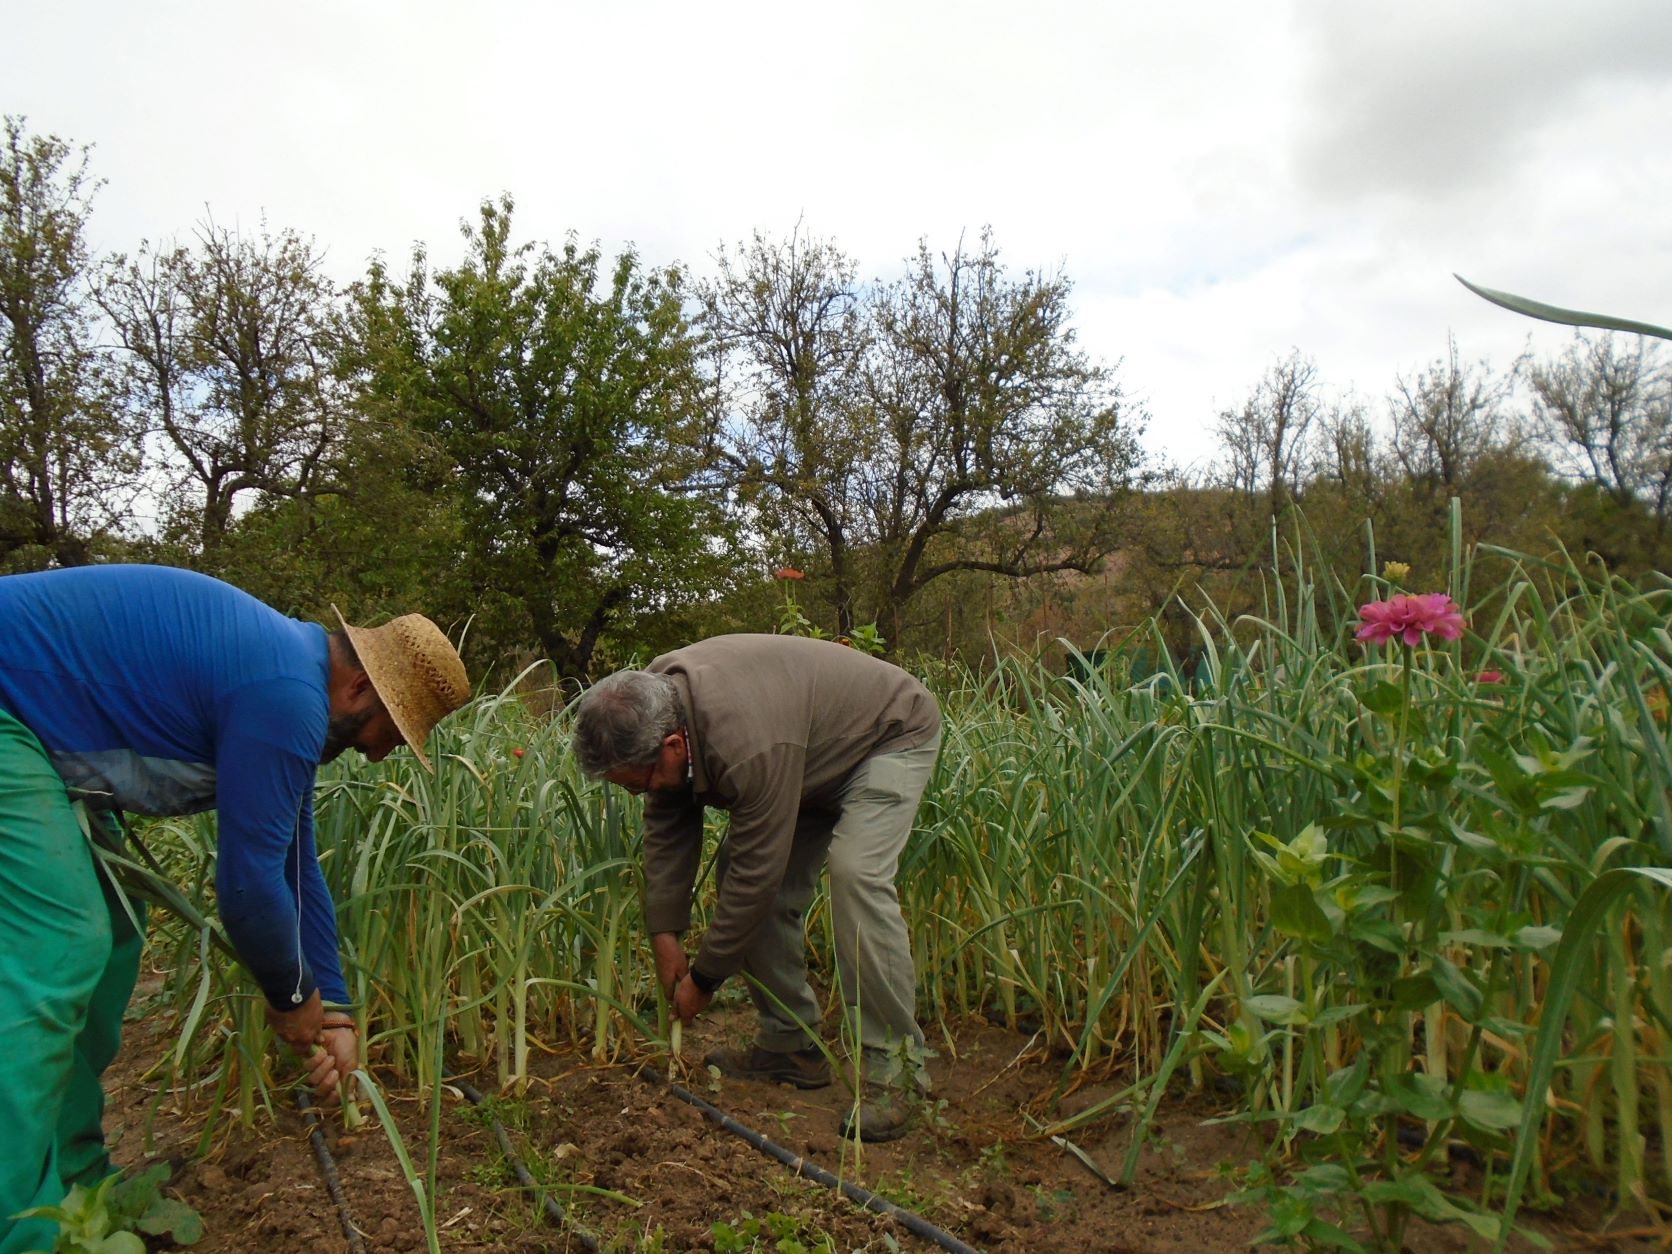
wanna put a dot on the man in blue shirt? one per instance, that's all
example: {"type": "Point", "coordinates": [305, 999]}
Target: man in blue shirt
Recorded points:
{"type": "Point", "coordinates": [161, 691]}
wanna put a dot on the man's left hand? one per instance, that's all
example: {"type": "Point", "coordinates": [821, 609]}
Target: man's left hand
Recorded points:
{"type": "Point", "coordinates": [689, 1001]}
{"type": "Point", "coordinates": [337, 1059]}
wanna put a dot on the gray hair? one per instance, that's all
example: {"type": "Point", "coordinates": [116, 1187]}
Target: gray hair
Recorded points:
{"type": "Point", "coordinates": [622, 720]}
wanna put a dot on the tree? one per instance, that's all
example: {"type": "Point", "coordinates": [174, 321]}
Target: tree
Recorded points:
{"type": "Point", "coordinates": [1266, 440]}
{"type": "Point", "coordinates": [994, 445]}
{"type": "Point", "coordinates": [790, 318]}
{"type": "Point", "coordinates": [68, 456]}
{"type": "Point", "coordinates": [575, 417]}
{"type": "Point", "coordinates": [1605, 412]}
{"type": "Point", "coordinates": [229, 352]}
{"type": "Point", "coordinates": [1348, 453]}
{"type": "Point", "coordinates": [1447, 420]}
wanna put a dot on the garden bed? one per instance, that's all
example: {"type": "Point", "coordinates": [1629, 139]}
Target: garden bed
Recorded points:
{"type": "Point", "coordinates": [644, 1171]}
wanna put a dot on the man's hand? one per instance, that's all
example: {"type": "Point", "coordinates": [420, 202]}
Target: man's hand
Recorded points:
{"type": "Point", "coordinates": [326, 1041]}
{"type": "Point", "coordinates": [671, 966]}
{"type": "Point", "coordinates": [689, 1001]}
{"type": "Point", "coordinates": [337, 1059]}
{"type": "Point", "coordinates": [299, 1028]}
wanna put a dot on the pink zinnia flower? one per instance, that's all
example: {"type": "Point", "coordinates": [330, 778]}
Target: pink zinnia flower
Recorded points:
{"type": "Point", "coordinates": [1410, 618]}
{"type": "Point", "coordinates": [788, 572]}
{"type": "Point", "coordinates": [1490, 677]}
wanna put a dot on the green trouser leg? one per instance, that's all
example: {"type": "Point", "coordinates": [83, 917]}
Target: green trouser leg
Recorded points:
{"type": "Point", "coordinates": [82, 1157]}
{"type": "Point", "coordinates": [55, 941]}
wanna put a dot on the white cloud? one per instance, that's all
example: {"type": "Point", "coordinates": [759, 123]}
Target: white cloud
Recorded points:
{"type": "Point", "coordinates": [1223, 182]}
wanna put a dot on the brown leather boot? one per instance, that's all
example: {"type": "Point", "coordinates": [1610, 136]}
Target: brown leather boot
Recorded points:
{"type": "Point", "coordinates": [804, 1068]}
{"type": "Point", "coordinates": [885, 1112]}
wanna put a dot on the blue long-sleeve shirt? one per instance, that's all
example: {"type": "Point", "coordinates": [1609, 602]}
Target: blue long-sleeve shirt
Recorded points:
{"type": "Point", "coordinates": [162, 691]}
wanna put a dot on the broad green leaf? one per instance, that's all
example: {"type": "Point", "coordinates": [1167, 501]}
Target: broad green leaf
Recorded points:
{"type": "Point", "coordinates": [1295, 912]}
{"type": "Point", "coordinates": [1567, 798]}
{"type": "Point", "coordinates": [1491, 1112]}
{"type": "Point", "coordinates": [1538, 937]}
{"type": "Point", "coordinates": [1383, 698]}
{"type": "Point", "coordinates": [174, 1219]}
{"type": "Point", "coordinates": [1379, 933]}
{"type": "Point", "coordinates": [1325, 1178]}
{"type": "Point", "coordinates": [1342, 1087]}
{"type": "Point", "coordinates": [1458, 989]}
{"type": "Point", "coordinates": [1405, 1191]}
{"type": "Point", "coordinates": [1276, 1008]}
{"type": "Point", "coordinates": [1476, 936]}
{"type": "Point", "coordinates": [1322, 1232]}
{"type": "Point", "coordinates": [1290, 1212]}
{"type": "Point", "coordinates": [1419, 1095]}
{"type": "Point", "coordinates": [1322, 1119]}
{"type": "Point", "coordinates": [1472, 840]}
{"type": "Point", "coordinates": [1415, 992]}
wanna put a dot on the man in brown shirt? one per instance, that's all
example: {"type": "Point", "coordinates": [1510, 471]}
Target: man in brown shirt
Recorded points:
{"type": "Point", "coordinates": [820, 754]}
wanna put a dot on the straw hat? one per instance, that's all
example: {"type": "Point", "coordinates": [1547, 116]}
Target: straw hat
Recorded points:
{"type": "Point", "coordinates": [416, 672]}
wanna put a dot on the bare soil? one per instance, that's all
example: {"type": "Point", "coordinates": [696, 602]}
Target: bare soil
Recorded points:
{"type": "Point", "coordinates": [642, 1170]}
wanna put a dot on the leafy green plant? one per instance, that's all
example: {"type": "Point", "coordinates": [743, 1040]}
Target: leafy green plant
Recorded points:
{"type": "Point", "coordinates": [1378, 914]}
{"type": "Point", "coordinates": [774, 1231]}
{"type": "Point", "coordinates": [867, 639]}
{"type": "Point", "coordinates": [107, 1218]}
{"type": "Point", "coordinates": [138, 1202]}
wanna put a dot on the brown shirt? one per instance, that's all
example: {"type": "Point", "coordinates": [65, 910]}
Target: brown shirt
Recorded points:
{"type": "Point", "coordinates": [777, 724]}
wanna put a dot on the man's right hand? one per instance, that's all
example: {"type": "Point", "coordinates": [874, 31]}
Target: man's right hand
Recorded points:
{"type": "Point", "coordinates": [671, 966]}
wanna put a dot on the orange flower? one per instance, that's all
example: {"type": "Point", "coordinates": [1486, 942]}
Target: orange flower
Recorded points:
{"type": "Point", "coordinates": [788, 572]}
{"type": "Point", "coordinates": [517, 753]}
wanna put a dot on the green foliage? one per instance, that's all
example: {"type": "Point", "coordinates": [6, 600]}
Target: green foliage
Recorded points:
{"type": "Point", "coordinates": [106, 1218]}
{"type": "Point", "coordinates": [68, 453]}
{"type": "Point", "coordinates": [86, 1223]}
{"type": "Point", "coordinates": [867, 639]}
{"type": "Point", "coordinates": [1344, 880]}
{"type": "Point", "coordinates": [570, 404]}
{"type": "Point", "coordinates": [942, 423]}
{"type": "Point", "coordinates": [793, 622]}
{"type": "Point", "coordinates": [138, 1202]}
{"type": "Point", "coordinates": [229, 357]}
{"type": "Point", "coordinates": [773, 1231]}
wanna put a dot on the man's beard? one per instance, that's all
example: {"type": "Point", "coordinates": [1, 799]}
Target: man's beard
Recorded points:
{"type": "Point", "coordinates": [340, 733]}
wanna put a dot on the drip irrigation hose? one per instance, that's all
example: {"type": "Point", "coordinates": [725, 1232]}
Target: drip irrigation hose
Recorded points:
{"type": "Point", "coordinates": [811, 1171]}
{"type": "Point", "coordinates": [328, 1169]}
{"type": "Point", "coordinates": [554, 1212]}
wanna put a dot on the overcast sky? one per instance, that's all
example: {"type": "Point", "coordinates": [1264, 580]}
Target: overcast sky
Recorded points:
{"type": "Point", "coordinates": [1222, 181]}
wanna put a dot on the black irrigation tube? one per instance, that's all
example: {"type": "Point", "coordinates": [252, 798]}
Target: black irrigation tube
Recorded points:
{"type": "Point", "coordinates": [554, 1212]}
{"type": "Point", "coordinates": [811, 1171]}
{"type": "Point", "coordinates": [328, 1169]}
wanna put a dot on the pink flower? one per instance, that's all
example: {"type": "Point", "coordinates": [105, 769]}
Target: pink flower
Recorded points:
{"type": "Point", "coordinates": [1411, 618]}
{"type": "Point", "coordinates": [1490, 677]}
{"type": "Point", "coordinates": [788, 572]}
{"type": "Point", "coordinates": [517, 753]}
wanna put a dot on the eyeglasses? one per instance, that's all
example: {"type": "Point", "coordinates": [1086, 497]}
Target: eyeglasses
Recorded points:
{"type": "Point", "coordinates": [635, 779]}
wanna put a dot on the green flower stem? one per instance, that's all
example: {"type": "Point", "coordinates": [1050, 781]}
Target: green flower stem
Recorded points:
{"type": "Point", "coordinates": [1399, 1060]}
